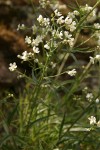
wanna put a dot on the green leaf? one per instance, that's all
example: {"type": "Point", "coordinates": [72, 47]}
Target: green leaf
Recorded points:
{"type": "Point", "coordinates": [34, 78]}
{"type": "Point", "coordinates": [11, 115]}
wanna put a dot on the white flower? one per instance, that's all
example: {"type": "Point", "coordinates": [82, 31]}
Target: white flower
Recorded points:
{"type": "Point", "coordinates": [28, 40]}
{"type": "Point", "coordinates": [67, 35]}
{"type": "Point", "coordinates": [34, 29]}
{"type": "Point", "coordinates": [59, 35]}
{"type": "Point", "coordinates": [92, 60]}
{"type": "Point", "coordinates": [39, 38]}
{"type": "Point", "coordinates": [53, 64]}
{"type": "Point", "coordinates": [46, 46]}
{"type": "Point", "coordinates": [12, 66]}
{"type": "Point", "coordinates": [36, 60]}
{"type": "Point", "coordinates": [40, 19]}
{"type": "Point", "coordinates": [88, 8]}
{"type": "Point", "coordinates": [97, 100]}
{"type": "Point", "coordinates": [71, 15]}
{"type": "Point", "coordinates": [44, 3]}
{"type": "Point", "coordinates": [11, 95]}
{"type": "Point", "coordinates": [20, 27]}
{"type": "Point", "coordinates": [89, 96]}
{"type": "Point", "coordinates": [36, 49]}
{"type": "Point", "coordinates": [76, 12]}
{"type": "Point", "coordinates": [71, 42]}
{"type": "Point", "coordinates": [97, 25]}
{"type": "Point", "coordinates": [35, 42]}
{"type": "Point", "coordinates": [43, 21]}
{"type": "Point", "coordinates": [25, 56]}
{"type": "Point", "coordinates": [60, 20]}
{"type": "Point", "coordinates": [98, 123]}
{"type": "Point", "coordinates": [97, 57]}
{"type": "Point", "coordinates": [68, 21]}
{"type": "Point", "coordinates": [72, 72]}
{"type": "Point", "coordinates": [92, 16]}
{"type": "Point", "coordinates": [57, 13]}
{"type": "Point", "coordinates": [46, 21]}
{"type": "Point", "coordinates": [92, 120]}
{"type": "Point", "coordinates": [72, 26]}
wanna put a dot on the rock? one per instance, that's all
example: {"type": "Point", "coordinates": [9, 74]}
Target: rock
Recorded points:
{"type": "Point", "coordinates": [11, 44]}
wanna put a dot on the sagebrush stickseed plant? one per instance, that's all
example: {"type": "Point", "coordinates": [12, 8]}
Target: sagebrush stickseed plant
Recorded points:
{"type": "Point", "coordinates": [59, 108]}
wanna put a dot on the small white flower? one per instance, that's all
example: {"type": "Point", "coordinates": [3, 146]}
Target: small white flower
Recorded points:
{"type": "Point", "coordinates": [53, 64]}
{"type": "Point", "coordinates": [59, 34]}
{"type": "Point", "coordinates": [88, 8]}
{"type": "Point", "coordinates": [68, 21]}
{"type": "Point", "coordinates": [28, 40]}
{"type": "Point", "coordinates": [46, 22]}
{"type": "Point", "coordinates": [71, 42]}
{"type": "Point", "coordinates": [92, 60]}
{"type": "Point", "coordinates": [98, 123]}
{"type": "Point", "coordinates": [36, 60]}
{"type": "Point", "coordinates": [72, 72]}
{"type": "Point", "coordinates": [25, 56]}
{"type": "Point", "coordinates": [67, 35]}
{"type": "Point", "coordinates": [34, 29]}
{"type": "Point", "coordinates": [76, 13]}
{"type": "Point", "coordinates": [97, 100]}
{"type": "Point", "coordinates": [89, 96]}
{"type": "Point", "coordinates": [20, 27]}
{"type": "Point", "coordinates": [46, 46]}
{"type": "Point", "coordinates": [11, 95]}
{"type": "Point", "coordinates": [71, 15]}
{"type": "Point", "coordinates": [72, 26]}
{"type": "Point", "coordinates": [20, 76]}
{"type": "Point", "coordinates": [44, 3]}
{"type": "Point", "coordinates": [92, 16]}
{"type": "Point", "coordinates": [60, 20]}
{"type": "Point", "coordinates": [12, 66]}
{"type": "Point", "coordinates": [43, 21]}
{"type": "Point", "coordinates": [57, 13]}
{"type": "Point", "coordinates": [97, 25]}
{"type": "Point", "coordinates": [97, 57]}
{"type": "Point", "coordinates": [92, 120]}
{"type": "Point", "coordinates": [39, 38]}
{"type": "Point", "coordinates": [40, 19]}
{"type": "Point", "coordinates": [35, 42]}
{"type": "Point", "coordinates": [36, 49]}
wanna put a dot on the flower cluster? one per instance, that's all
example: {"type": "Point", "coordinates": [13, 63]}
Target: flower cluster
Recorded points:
{"type": "Point", "coordinates": [34, 42]}
{"type": "Point", "coordinates": [96, 58]}
{"type": "Point", "coordinates": [72, 72]}
{"type": "Point", "coordinates": [89, 96]}
{"type": "Point", "coordinates": [92, 16]}
{"type": "Point", "coordinates": [12, 66]}
{"type": "Point", "coordinates": [20, 27]}
{"type": "Point", "coordinates": [93, 121]}
{"type": "Point", "coordinates": [70, 26]}
{"type": "Point", "coordinates": [43, 21]}
{"type": "Point", "coordinates": [69, 22]}
{"type": "Point", "coordinates": [44, 3]}
{"type": "Point", "coordinates": [26, 56]}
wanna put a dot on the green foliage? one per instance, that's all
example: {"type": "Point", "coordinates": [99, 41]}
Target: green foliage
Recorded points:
{"type": "Point", "coordinates": [59, 107]}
